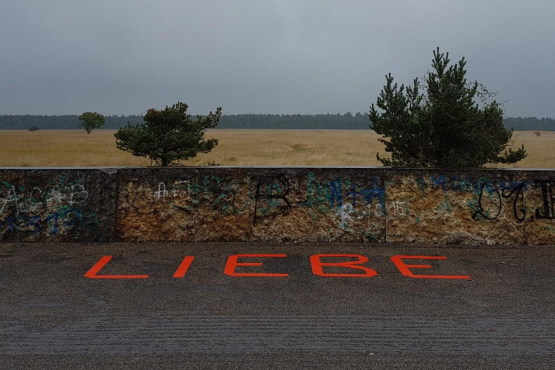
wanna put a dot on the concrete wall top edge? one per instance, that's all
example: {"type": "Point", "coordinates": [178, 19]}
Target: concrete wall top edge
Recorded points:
{"type": "Point", "coordinates": [115, 168]}
{"type": "Point", "coordinates": [65, 168]}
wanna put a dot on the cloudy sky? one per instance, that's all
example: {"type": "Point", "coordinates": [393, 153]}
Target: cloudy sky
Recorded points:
{"type": "Point", "coordinates": [257, 56]}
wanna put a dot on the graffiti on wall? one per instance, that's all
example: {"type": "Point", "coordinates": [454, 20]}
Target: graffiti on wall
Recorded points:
{"type": "Point", "coordinates": [45, 206]}
{"type": "Point", "coordinates": [335, 204]}
{"type": "Point", "coordinates": [490, 204]}
{"type": "Point", "coordinates": [329, 201]}
{"type": "Point", "coordinates": [216, 193]}
{"type": "Point", "coordinates": [291, 204]}
{"type": "Point", "coordinates": [273, 195]}
{"type": "Point", "coordinates": [183, 203]}
{"type": "Point", "coordinates": [546, 210]}
{"type": "Point", "coordinates": [487, 196]}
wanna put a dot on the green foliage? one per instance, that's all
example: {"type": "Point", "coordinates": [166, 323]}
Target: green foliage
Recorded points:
{"type": "Point", "coordinates": [91, 120]}
{"type": "Point", "coordinates": [445, 127]}
{"type": "Point", "coordinates": [169, 135]}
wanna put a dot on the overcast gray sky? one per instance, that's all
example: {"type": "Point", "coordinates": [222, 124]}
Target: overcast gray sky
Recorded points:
{"type": "Point", "coordinates": [256, 56]}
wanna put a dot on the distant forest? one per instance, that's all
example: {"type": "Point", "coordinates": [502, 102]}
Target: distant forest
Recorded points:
{"type": "Point", "coordinates": [346, 121]}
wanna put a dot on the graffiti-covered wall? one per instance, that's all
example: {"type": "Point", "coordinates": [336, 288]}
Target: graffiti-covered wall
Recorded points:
{"type": "Point", "coordinates": [259, 204]}
{"type": "Point", "coordinates": [492, 207]}
{"type": "Point", "coordinates": [57, 205]}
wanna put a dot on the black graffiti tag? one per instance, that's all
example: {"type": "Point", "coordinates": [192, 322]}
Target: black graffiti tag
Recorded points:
{"type": "Point", "coordinates": [507, 192]}
{"type": "Point", "coordinates": [547, 197]}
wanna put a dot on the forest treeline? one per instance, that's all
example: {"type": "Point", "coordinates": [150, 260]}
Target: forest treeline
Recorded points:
{"type": "Point", "coordinates": [347, 121]}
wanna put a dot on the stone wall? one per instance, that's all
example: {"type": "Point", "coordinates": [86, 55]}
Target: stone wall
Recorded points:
{"type": "Point", "coordinates": [56, 205]}
{"type": "Point", "coordinates": [258, 204]}
{"type": "Point", "coordinates": [492, 207]}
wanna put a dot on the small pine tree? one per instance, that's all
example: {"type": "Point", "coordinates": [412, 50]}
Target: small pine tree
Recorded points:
{"type": "Point", "coordinates": [444, 127]}
{"type": "Point", "coordinates": [169, 135]}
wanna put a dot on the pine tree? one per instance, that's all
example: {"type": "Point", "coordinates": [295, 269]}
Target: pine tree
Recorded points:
{"type": "Point", "coordinates": [446, 127]}
{"type": "Point", "coordinates": [169, 135]}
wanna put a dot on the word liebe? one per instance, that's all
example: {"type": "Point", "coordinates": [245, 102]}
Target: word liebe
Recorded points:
{"type": "Point", "coordinates": [353, 267]}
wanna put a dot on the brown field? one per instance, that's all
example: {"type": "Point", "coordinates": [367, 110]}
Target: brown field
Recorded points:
{"type": "Point", "coordinates": [51, 148]}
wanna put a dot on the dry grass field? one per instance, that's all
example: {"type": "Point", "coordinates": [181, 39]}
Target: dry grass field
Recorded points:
{"type": "Point", "coordinates": [45, 148]}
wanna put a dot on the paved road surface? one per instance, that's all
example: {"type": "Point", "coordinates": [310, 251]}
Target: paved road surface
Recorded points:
{"type": "Point", "coordinates": [52, 316]}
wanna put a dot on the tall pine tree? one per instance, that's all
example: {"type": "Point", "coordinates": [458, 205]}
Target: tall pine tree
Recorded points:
{"type": "Point", "coordinates": [445, 127]}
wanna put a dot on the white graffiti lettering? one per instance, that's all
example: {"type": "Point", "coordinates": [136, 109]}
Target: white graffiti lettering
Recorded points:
{"type": "Point", "coordinates": [33, 200]}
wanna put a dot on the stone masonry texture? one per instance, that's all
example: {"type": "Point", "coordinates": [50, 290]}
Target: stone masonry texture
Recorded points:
{"type": "Point", "coordinates": [57, 205]}
{"type": "Point", "coordinates": [275, 204]}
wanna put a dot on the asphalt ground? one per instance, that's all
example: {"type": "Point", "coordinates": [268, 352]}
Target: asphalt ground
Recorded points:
{"type": "Point", "coordinates": [499, 313]}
